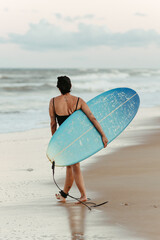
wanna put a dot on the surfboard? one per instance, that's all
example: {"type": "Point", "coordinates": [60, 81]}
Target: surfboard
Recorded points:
{"type": "Point", "coordinates": [77, 138]}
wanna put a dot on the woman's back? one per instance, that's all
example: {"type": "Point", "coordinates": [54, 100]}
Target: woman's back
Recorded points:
{"type": "Point", "coordinates": [65, 105]}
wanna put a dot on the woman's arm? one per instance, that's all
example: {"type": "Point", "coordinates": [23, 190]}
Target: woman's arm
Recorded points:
{"type": "Point", "coordinates": [92, 118]}
{"type": "Point", "coordinates": [52, 115]}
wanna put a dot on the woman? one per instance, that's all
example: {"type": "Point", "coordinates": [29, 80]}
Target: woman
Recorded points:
{"type": "Point", "coordinates": [60, 108]}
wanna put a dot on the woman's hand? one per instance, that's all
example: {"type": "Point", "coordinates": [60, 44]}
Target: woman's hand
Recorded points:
{"type": "Point", "coordinates": [104, 140]}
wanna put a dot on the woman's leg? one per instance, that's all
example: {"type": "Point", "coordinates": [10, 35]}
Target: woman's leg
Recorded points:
{"type": "Point", "coordinates": [68, 183]}
{"type": "Point", "coordinates": [69, 179]}
{"type": "Point", "coordinates": [79, 181]}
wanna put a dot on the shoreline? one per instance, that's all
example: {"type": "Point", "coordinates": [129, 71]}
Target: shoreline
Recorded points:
{"type": "Point", "coordinates": [27, 187]}
{"type": "Point", "coordinates": [143, 109]}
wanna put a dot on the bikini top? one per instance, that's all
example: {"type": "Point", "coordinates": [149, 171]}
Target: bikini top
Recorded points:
{"type": "Point", "coordinates": [62, 118]}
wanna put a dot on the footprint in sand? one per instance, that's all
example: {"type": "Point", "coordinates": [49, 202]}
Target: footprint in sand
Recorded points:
{"type": "Point", "coordinates": [125, 204]}
{"type": "Point", "coordinates": [30, 169]}
{"type": "Point", "coordinates": [155, 206]}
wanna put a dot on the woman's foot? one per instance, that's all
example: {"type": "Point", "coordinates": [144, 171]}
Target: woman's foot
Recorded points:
{"type": "Point", "coordinates": [60, 198]}
{"type": "Point", "coordinates": [82, 199]}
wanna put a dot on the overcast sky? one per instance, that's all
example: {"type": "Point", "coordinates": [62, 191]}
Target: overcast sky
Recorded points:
{"type": "Point", "coordinates": [92, 33]}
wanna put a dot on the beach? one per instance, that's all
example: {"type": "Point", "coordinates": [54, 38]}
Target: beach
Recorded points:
{"type": "Point", "coordinates": [126, 174]}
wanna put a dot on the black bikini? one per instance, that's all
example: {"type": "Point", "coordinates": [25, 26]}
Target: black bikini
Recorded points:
{"type": "Point", "coordinates": [62, 118]}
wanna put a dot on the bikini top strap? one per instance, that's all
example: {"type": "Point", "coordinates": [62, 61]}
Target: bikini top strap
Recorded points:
{"type": "Point", "coordinates": [77, 104]}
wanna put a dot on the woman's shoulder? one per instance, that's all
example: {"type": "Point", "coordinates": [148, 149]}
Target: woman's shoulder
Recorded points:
{"type": "Point", "coordinates": [80, 103]}
{"type": "Point", "coordinates": [81, 100]}
{"type": "Point", "coordinates": [51, 102]}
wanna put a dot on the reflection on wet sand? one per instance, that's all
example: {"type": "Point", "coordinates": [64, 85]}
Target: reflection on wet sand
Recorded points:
{"type": "Point", "coordinates": [76, 216]}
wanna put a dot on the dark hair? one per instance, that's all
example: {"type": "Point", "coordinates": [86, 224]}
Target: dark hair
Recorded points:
{"type": "Point", "coordinates": [64, 84]}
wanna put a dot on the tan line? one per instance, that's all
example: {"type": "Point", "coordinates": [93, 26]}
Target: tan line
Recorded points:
{"type": "Point", "coordinates": [92, 127]}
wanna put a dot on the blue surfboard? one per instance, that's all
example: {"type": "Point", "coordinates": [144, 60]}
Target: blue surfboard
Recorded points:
{"type": "Point", "coordinates": [77, 138]}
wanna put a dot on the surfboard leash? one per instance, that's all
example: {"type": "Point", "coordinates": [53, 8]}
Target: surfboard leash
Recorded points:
{"type": "Point", "coordinates": [63, 194]}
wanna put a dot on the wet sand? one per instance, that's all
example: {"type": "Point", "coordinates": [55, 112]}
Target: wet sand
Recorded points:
{"type": "Point", "coordinates": [128, 177]}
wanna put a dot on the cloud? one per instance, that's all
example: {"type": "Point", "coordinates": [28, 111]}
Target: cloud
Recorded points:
{"type": "Point", "coordinates": [6, 9]}
{"type": "Point", "coordinates": [3, 40]}
{"type": "Point", "coordinates": [140, 14]}
{"type": "Point", "coordinates": [45, 36]}
{"type": "Point", "coordinates": [58, 15]}
{"type": "Point", "coordinates": [73, 19]}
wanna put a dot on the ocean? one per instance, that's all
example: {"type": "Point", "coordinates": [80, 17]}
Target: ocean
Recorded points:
{"type": "Point", "coordinates": [25, 93]}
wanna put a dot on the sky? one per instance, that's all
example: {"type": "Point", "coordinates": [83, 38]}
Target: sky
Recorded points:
{"type": "Point", "coordinates": [80, 34]}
